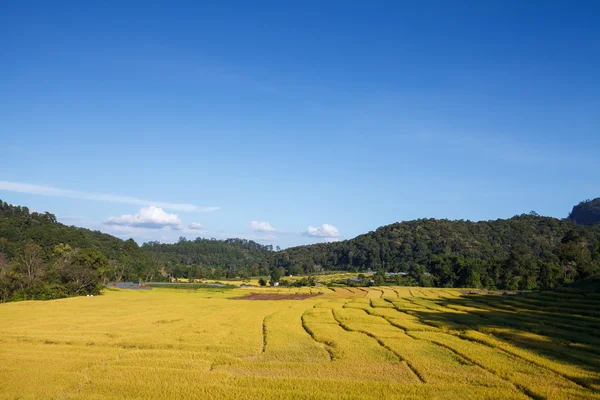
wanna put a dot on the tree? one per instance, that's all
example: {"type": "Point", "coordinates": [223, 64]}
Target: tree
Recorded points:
{"type": "Point", "coordinates": [9, 282]}
{"type": "Point", "coordinates": [549, 274]}
{"type": "Point", "coordinates": [262, 282]}
{"type": "Point", "coordinates": [62, 254]}
{"type": "Point", "coordinates": [5, 265]}
{"type": "Point", "coordinates": [379, 277]}
{"type": "Point", "coordinates": [116, 270]}
{"type": "Point", "coordinates": [85, 271]}
{"type": "Point", "coordinates": [31, 261]}
{"type": "Point", "coordinates": [473, 279]}
{"type": "Point", "coordinates": [275, 276]}
{"type": "Point", "coordinates": [575, 254]}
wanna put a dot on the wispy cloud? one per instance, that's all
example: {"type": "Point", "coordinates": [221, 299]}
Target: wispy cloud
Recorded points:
{"type": "Point", "coordinates": [195, 226]}
{"type": "Point", "coordinates": [324, 231]}
{"type": "Point", "coordinates": [150, 217]}
{"type": "Point", "coordinates": [262, 226]}
{"type": "Point", "coordinates": [110, 198]}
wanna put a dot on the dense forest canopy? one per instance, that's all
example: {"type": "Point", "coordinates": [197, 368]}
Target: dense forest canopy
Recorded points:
{"type": "Point", "coordinates": [524, 252]}
{"type": "Point", "coordinates": [42, 258]}
{"type": "Point", "coordinates": [204, 258]}
{"type": "Point", "coordinates": [586, 213]}
{"type": "Point", "coordinates": [39, 255]}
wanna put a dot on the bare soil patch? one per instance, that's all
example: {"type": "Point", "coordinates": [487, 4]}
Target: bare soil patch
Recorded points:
{"type": "Point", "coordinates": [271, 296]}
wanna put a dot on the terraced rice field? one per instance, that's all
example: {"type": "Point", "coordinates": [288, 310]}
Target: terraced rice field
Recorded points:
{"type": "Point", "coordinates": [386, 342]}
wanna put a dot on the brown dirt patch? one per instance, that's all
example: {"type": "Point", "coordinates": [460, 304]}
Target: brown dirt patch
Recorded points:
{"type": "Point", "coordinates": [272, 296]}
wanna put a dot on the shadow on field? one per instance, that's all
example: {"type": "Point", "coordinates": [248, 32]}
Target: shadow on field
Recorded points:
{"type": "Point", "coordinates": [562, 329]}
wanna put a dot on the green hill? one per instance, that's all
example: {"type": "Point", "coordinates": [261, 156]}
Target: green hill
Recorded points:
{"type": "Point", "coordinates": [210, 258]}
{"type": "Point", "coordinates": [18, 226]}
{"type": "Point", "coordinates": [524, 252]}
{"type": "Point", "coordinates": [42, 258]}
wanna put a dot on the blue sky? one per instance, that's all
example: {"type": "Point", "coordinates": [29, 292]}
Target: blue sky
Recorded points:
{"type": "Point", "coordinates": [297, 122]}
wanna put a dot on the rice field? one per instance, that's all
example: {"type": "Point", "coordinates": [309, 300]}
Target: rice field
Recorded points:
{"type": "Point", "coordinates": [352, 343]}
{"type": "Point", "coordinates": [324, 278]}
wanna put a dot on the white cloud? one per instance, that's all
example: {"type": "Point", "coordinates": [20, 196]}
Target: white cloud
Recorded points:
{"type": "Point", "coordinates": [262, 226]}
{"type": "Point", "coordinates": [149, 217]}
{"type": "Point", "coordinates": [325, 230]}
{"type": "Point", "coordinates": [74, 194]}
{"type": "Point", "coordinates": [196, 226]}
{"type": "Point", "coordinates": [331, 239]}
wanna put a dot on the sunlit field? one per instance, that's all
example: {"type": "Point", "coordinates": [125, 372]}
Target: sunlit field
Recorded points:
{"type": "Point", "coordinates": [385, 342]}
{"type": "Point", "coordinates": [323, 278]}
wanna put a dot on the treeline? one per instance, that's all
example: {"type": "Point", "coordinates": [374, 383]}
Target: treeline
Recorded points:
{"type": "Point", "coordinates": [42, 258]}
{"type": "Point", "coordinates": [524, 252]}
{"type": "Point", "coordinates": [211, 258]}
{"type": "Point", "coordinates": [35, 274]}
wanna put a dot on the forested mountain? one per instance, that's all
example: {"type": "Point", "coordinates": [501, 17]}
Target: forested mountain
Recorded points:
{"type": "Point", "coordinates": [586, 213]}
{"type": "Point", "coordinates": [18, 227]}
{"type": "Point", "coordinates": [524, 252]}
{"type": "Point", "coordinates": [42, 258]}
{"type": "Point", "coordinates": [203, 258]}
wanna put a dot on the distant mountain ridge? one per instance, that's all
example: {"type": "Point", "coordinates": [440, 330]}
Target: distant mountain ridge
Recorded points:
{"type": "Point", "coordinates": [586, 213]}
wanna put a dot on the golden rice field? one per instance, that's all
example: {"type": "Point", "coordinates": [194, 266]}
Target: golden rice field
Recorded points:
{"type": "Point", "coordinates": [351, 343]}
{"type": "Point", "coordinates": [324, 279]}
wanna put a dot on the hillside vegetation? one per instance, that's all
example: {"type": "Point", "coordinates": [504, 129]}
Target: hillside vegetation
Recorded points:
{"type": "Point", "coordinates": [210, 258]}
{"type": "Point", "coordinates": [41, 258]}
{"type": "Point", "coordinates": [524, 252]}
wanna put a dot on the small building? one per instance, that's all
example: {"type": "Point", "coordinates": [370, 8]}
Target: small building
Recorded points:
{"type": "Point", "coordinates": [392, 274]}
